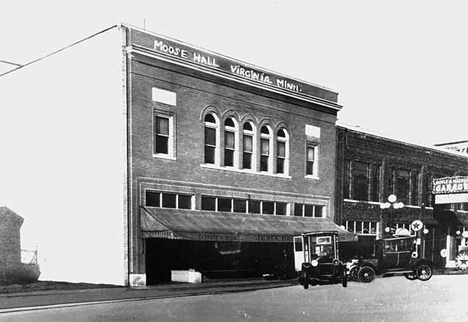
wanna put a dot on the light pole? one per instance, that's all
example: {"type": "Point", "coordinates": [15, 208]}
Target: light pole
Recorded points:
{"type": "Point", "coordinates": [390, 204]}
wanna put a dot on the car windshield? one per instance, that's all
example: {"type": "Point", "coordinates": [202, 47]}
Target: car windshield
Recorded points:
{"type": "Point", "coordinates": [321, 246]}
{"type": "Point", "coordinates": [398, 245]}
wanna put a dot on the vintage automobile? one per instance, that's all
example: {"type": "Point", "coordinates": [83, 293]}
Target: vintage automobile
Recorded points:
{"type": "Point", "coordinates": [396, 255]}
{"type": "Point", "coordinates": [317, 255]}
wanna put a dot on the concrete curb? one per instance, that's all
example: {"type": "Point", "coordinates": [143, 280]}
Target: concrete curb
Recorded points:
{"type": "Point", "coordinates": [44, 300]}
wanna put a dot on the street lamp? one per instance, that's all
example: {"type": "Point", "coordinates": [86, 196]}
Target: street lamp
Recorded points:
{"type": "Point", "coordinates": [391, 204]}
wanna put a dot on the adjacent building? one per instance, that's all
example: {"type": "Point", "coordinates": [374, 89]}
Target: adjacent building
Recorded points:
{"type": "Point", "coordinates": [371, 167]}
{"type": "Point", "coordinates": [133, 154]}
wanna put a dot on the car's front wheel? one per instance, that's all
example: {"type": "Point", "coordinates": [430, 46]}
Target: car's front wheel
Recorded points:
{"type": "Point", "coordinates": [366, 274]}
{"type": "Point", "coordinates": [344, 280]}
{"type": "Point", "coordinates": [424, 272]}
{"type": "Point", "coordinates": [305, 279]}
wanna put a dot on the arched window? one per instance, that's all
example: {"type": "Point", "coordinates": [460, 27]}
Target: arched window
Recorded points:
{"type": "Point", "coordinates": [248, 154]}
{"type": "Point", "coordinates": [211, 139]}
{"type": "Point", "coordinates": [230, 143]}
{"type": "Point", "coordinates": [282, 153]}
{"type": "Point", "coordinates": [265, 149]}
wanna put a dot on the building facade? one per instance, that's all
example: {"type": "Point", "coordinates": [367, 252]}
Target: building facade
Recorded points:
{"type": "Point", "coordinates": [370, 168]}
{"type": "Point", "coordinates": [157, 155]}
{"type": "Point", "coordinates": [234, 152]}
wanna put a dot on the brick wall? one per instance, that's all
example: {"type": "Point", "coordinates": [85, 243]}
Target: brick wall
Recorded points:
{"type": "Point", "coordinates": [10, 241]}
{"type": "Point", "coordinates": [197, 92]}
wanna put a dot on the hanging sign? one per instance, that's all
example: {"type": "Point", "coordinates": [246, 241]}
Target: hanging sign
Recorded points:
{"type": "Point", "coordinates": [450, 185]}
{"type": "Point", "coordinates": [417, 225]}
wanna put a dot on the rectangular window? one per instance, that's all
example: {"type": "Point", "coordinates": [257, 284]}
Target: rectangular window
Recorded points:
{"type": "Point", "coordinates": [308, 210]}
{"type": "Point", "coordinates": [360, 181]}
{"type": "Point", "coordinates": [414, 188]}
{"type": "Point", "coordinates": [210, 145]}
{"type": "Point", "coordinates": [184, 202]}
{"type": "Point", "coordinates": [265, 154]}
{"type": "Point", "coordinates": [311, 160]}
{"type": "Point", "coordinates": [240, 205]}
{"type": "Point", "coordinates": [281, 208]}
{"type": "Point", "coordinates": [359, 227]}
{"type": "Point", "coordinates": [224, 204]}
{"type": "Point", "coordinates": [298, 209]}
{"type": "Point", "coordinates": [248, 152]}
{"type": "Point", "coordinates": [362, 227]}
{"type": "Point", "coordinates": [281, 157]}
{"type": "Point", "coordinates": [268, 208]}
{"type": "Point", "coordinates": [346, 179]}
{"type": "Point", "coordinates": [163, 135]}
{"type": "Point", "coordinates": [169, 200]}
{"type": "Point", "coordinates": [254, 206]}
{"type": "Point", "coordinates": [402, 185]}
{"type": "Point", "coordinates": [428, 199]}
{"type": "Point", "coordinates": [208, 203]}
{"type": "Point", "coordinates": [390, 181]}
{"type": "Point", "coordinates": [375, 182]}
{"type": "Point", "coordinates": [319, 211]}
{"type": "Point", "coordinates": [229, 142]}
{"type": "Point", "coordinates": [153, 199]}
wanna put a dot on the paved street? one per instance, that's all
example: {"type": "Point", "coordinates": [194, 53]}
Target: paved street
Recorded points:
{"type": "Point", "coordinates": [443, 298]}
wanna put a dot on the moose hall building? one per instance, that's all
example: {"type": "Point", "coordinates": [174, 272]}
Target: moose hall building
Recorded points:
{"type": "Point", "coordinates": [130, 155]}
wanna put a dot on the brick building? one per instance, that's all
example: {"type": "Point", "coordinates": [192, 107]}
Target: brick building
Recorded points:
{"type": "Point", "coordinates": [371, 167]}
{"type": "Point", "coordinates": [10, 240]}
{"type": "Point", "coordinates": [157, 155]}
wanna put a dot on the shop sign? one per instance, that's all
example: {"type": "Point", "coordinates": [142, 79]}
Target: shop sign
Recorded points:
{"type": "Point", "coordinates": [449, 185]}
{"type": "Point", "coordinates": [194, 56]}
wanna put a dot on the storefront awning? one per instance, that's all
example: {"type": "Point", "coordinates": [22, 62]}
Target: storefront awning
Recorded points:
{"type": "Point", "coordinates": [235, 227]}
{"type": "Point", "coordinates": [450, 217]}
{"type": "Point", "coordinates": [462, 218]}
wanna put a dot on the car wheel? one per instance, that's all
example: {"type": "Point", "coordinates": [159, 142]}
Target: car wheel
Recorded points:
{"type": "Point", "coordinates": [353, 274]}
{"type": "Point", "coordinates": [366, 274]}
{"type": "Point", "coordinates": [424, 272]}
{"type": "Point", "coordinates": [344, 280]}
{"type": "Point", "coordinates": [305, 278]}
{"type": "Point", "coordinates": [410, 276]}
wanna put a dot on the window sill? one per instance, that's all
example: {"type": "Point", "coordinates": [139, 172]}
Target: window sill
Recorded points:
{"type": "Point", "coordinates": [312, 177]}
{"type": "Point", "coordinates": [164, 156]}
{"type": "Point", "coordinates": [275, 175]}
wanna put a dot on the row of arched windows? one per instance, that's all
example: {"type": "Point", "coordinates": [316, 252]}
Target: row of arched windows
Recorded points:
{"type": "Point", "coordinates": [229, 143]}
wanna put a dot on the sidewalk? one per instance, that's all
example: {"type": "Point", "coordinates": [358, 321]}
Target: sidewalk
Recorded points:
{"type": "Point", "coordinates": [10, 302]}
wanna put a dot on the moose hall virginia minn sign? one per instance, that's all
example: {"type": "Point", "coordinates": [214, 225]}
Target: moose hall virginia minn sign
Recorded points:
{"type": "Point", "coordinates": [221, 64]}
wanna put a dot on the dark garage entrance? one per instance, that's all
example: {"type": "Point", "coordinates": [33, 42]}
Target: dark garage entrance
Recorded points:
{"type": "Point", "coordinates": [216, 260]}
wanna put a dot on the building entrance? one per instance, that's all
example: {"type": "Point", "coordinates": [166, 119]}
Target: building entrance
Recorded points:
{"type": "Point", "coordinates": [217, 260]}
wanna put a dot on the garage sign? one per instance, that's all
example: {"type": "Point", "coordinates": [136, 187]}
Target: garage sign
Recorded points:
{"type": "Point", "coordinates": [449, 185]}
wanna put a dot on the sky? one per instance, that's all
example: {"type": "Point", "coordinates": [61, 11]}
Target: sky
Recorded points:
{"type": "Point", "coordinates": [400, 67]}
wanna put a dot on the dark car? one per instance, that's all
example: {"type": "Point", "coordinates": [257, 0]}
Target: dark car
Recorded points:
{"type": "Point", "coordinates": [320, 263]}
{"type": "Point", "coordinates": [396, 255]}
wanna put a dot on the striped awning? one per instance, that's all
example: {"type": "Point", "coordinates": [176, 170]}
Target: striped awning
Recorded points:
{"type": "Point", "coordinates": [235, 227]}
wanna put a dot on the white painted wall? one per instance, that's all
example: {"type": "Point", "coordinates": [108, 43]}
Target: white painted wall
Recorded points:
{"type": "Point", "coordinates": [63, 159]}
